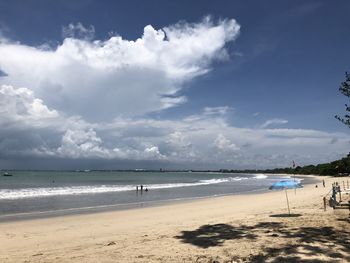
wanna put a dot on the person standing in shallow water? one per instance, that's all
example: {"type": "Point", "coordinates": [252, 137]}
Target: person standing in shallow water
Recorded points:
{"type": "Point", "coordinates": [141, 187]}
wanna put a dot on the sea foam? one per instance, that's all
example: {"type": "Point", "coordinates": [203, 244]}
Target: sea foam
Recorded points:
{"type": "Point", "coordinates": [96, 189]}
{"type": "Point", "coordinates": [260, 176]}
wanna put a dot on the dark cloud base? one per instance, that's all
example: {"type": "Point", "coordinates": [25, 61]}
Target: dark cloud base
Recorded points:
{"type": "Point", "coordinates": [53, 163]}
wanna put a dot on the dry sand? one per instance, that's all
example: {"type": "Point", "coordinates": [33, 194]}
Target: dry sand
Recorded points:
{"type": "Point", "coordinates": [245, 228]}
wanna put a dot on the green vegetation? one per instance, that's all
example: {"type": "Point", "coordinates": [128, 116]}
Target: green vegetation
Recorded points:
{"type": "Point", "coordinates": [345, 90]}
{"type": "Point", "coordinates": [339, 167]}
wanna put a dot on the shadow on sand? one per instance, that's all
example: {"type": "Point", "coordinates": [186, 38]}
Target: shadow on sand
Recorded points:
{"type": "Point", "coordinates": [308, 242]}
{"type": "Point", "coordinates": [214, 235]}
{"type": "Point", "coordinates": [286, 215]}
{"type": "Point", "coordinates": [344, 219]}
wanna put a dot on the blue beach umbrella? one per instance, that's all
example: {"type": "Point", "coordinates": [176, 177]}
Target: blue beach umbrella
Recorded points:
{"type": "Point", "coordinates": [284, 185]}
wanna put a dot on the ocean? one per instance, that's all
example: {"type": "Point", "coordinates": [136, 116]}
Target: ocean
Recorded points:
{"type": "Point", "coordinates": [33, 194]}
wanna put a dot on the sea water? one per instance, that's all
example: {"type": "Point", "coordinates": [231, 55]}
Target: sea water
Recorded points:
{"type": "Point", "coordinates": [45, 193]}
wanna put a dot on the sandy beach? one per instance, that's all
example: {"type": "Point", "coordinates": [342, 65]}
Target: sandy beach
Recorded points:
{"type": "Point", "coordinates": [241, 228]}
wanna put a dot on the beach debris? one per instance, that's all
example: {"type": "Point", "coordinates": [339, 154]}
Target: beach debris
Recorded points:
{"type": "Point", "coordinates": [38, 254]}
{"type": "Point", "coordinates": [112, 243]}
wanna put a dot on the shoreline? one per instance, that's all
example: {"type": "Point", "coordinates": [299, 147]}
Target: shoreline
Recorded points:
{"type": "Point", "coordinates": [307, 179]}
{"type": "Point", "coordinates": [238, 228]}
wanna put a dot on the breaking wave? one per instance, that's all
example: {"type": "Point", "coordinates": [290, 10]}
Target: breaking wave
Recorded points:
{"type": "Point", "coordinates": [96, 189]}
{"type": "Point", "coordinates": [260, 176]}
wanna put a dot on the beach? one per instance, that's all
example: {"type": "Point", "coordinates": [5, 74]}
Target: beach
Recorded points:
{"type": "Point", "coordinates": [234, 228]}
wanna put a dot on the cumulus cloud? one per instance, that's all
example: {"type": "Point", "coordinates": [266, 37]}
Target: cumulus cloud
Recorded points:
{"type": "Point", "coordinates": [91, 99]}
{"type": "Point", "coordinates": [79, 143]}
{"type": "Point", "coordinates": [206, 139]}
{"type": "Point", "coordinates": [117, 77]}
{"type": "Point", "coordinates": [20, 105]}
{"type": "Point", "coordinates": [212, 140]}
{"type": "Point", "coordinates": [222, 143]}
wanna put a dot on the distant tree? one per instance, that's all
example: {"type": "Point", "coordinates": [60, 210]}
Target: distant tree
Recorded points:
{"type": "Point", "coordinates": [345, 90]}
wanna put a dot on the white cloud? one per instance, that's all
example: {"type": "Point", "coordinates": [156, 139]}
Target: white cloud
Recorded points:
{"type": "Point", "coordinates": [19, 104]}
{"type": "Point", "coordinates": [210, 112]}
{"type": "Point", "coordinates": [210, 139]}
{"type": "Point", "coordinates": [204, 139]}
{"type": "Point", "coordinates": [103, 79]}
{"type": "Point", "coordinates": [273, 122]}
{"type": "Point", "coordinates": [153, 153]}
{"type": "Point", "coordinates": [78, 31]}
{"type": "Point", "coordinates": [222, 143]}
{"type": "Point", "coordinates": [80, 144]}
{"type": "Point", "coordinates": [216, 110]}
{"type": "Point", "coordinates": [89, 99]}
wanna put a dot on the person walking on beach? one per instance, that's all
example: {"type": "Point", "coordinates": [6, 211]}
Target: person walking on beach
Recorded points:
{"type": "Point", "coordinates": [324, 183]}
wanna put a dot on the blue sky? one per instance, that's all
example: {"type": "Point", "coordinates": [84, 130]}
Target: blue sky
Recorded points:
{"type": "Point", "coordinates": [232, 84]}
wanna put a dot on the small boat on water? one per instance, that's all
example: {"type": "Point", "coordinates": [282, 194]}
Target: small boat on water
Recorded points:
{"type": "Point", "coordinates": [7, 174]}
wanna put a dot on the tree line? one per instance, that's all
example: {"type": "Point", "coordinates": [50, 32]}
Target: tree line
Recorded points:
{"type": "Point", "coordinates": [336, 168]}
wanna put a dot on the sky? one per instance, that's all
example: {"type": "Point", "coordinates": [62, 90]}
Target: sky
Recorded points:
{"type": "Point", "coordinates": [172, 84]}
